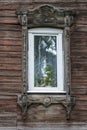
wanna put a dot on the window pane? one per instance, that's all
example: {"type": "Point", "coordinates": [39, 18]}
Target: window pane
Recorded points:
{"type": "Point", "coordinates": [45, 61]}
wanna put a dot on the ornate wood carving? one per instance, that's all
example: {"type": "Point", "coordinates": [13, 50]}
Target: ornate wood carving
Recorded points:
{"type": "Point", "coordinates": [22, 16]}
{"type": "Point", "coordinates": [46, 16]}
{"type": "Point", "coordinates": [25, 101]}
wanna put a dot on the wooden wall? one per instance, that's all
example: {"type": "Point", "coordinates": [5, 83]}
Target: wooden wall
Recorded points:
{"type": "Point", "coordinates": [11, 65]}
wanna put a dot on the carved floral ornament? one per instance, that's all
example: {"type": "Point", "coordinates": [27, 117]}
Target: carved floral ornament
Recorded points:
{"type": "Point", "coordinates": [46, 16]}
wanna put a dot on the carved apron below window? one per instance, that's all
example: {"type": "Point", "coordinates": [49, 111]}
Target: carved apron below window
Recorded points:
{"type": "Point", "coordinates": [44, 17]}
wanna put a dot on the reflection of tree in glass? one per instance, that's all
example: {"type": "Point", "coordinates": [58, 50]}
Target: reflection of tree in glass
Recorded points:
{"type": "Point", "coordinates": [45, 61]}
{"type": "Point", "coordinates": [49, 75]}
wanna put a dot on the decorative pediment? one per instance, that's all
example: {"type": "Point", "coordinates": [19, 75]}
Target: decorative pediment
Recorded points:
{"type": "Point", "coordinates": [45, 16]}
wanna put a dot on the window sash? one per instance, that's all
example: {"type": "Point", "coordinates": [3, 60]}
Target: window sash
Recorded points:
{"type": "Point", "coordinates": [60, 57]}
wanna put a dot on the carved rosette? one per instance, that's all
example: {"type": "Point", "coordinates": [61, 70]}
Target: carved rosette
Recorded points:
{"type": "Point", "coordinates": [46, 16]}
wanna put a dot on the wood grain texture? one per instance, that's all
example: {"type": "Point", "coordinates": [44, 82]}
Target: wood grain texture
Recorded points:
{"type": "Point", "coordinates": [8, 110]}
{"type": "Point", "coordinates": [11, 66]}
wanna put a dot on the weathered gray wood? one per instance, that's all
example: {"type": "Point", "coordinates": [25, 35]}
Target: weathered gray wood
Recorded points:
{"type": "Point", "coordinates": [10, 70]}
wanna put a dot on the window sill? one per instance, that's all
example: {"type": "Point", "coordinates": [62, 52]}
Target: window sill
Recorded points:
{"type": "Point", "coordinates": [47, 92]}
{"type": "Point", "coordinates": [46, 98]}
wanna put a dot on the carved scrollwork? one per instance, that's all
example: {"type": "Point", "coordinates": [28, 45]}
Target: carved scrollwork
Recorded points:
{"type": "Point", "coordinates": [26, 101]}
{"type": "Point", "coordinates": [45, 16]}
{"type": "Point", "coordinates": [22, 16]}
{"type": "Point", "coordinates": [23, 103]}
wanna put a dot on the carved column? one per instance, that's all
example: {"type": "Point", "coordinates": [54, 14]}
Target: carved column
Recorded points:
{"type": "Point", "coordinates": [68, 22]}
{"type": "Point", "coordinates": [22, 99]}
{"type": "Point", "coordinates": [22, 16]}
{"type": "Point", "coordinates": [69, 98]}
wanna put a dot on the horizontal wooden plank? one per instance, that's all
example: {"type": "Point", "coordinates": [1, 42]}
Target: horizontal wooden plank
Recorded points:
{"type": "Point", "coordinates": [30, 4]}
{"type": "Point", "coordinates": [12, 34]}
{"type": "Point", "coordinates": [79, 35]}
{"type": "Point", "coordinates": [81, 1]}
{"type": "Point", "coordinates": [12, 98]}
{"type": "Point", "coordinates": [78, 74]}
{"type": "Point", "coordinates": [11, 54]}
{"type": "Point", "coordinates": [79, 118]}
{"type": "Point", "coordinates": [81, 21]}
{"type": "Point", "coordinates": [81, 28]}
{"type": "Point", "coordinates": [12, 102]}
{"type": "Point", "coordinates": [9, 20]}
{"type": "Point", "coordinates": [79, 58]}
{"type": "Point", "coordinates": [10, 27]}
{"type": "Point", "coordinates": [79, 67]}
{"type": "Point", "coordinates": [29, 1]}
{"type": "Point", "coordinates": [10, 79]}
{"type": "Point", "coordinates": [10, 91]}
{"type": "Point", "coordinates": [79, 91]}
{"type": "Point", "coordinates": [79, 43]}
{"type": "Point", "coordinates": [10, 73]}
{"type": "Point", "coordinates": [78, 103]}
{"type": "Point", "coordinates": [68, 1]}
{"type": "Point", "coordinates": [79, 61]}
{"type": "Point", "coordinates": [71, 5]}
{"type": "Point", "coordinates": [15, 5]}
{"type": "Point", "coordinates": [12, 42]}
{"type": "Point", "coordinates": [80, 79]}
{"type": "Point", "coordinates": [6, 13]}
{"type": "Point", "coordinates": [10, 67]}
{"type": "Point", "coordinates": [75, 50]}
{"type": "Point", "coordinates": [11, 48]}
{"type": "Point", "coordinates": [8, 106]}
{"type": "Point", "coordinates": [74, 77]}
{"type": "Point", "coordinates": [81, 97]}
{"type": "Point", "coordinates": [13, 1]}
{"type": "Point", "coordinates": [78, 53]}
{"type": "Point", "coordinates": [10, 88]}
{"type": "Point", "coordinates": [82, 56]}
{"type": "Point", "coordinates": [10, 60]}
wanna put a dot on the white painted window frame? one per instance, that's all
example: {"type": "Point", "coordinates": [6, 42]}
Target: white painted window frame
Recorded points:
{"type": "Point", "coordinates": [60, 57]}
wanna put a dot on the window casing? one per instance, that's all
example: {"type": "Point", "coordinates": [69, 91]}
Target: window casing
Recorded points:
{"type": "Point", "coordinates": [48, 67]}
{"type": "Point", "coordinates": [35, 18]}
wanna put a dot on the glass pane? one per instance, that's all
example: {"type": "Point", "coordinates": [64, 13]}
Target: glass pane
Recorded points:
{"type": "Point", "coordinates": [45, 61]}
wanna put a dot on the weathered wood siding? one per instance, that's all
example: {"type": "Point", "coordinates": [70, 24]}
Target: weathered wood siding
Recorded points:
{"type": "Point", "coordinates": [11, 65]}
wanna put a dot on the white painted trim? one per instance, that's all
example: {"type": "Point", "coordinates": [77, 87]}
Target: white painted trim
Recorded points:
{"type": "Point", "coordinates": [60, 74]}
{"type": "Point", "coordinates": [62, 92]}
{"type": "Point", "coordinates": [45, 30]}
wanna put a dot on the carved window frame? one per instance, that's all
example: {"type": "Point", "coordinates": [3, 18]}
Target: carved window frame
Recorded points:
{"type": "Point", "coordinates": [46, 16]}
